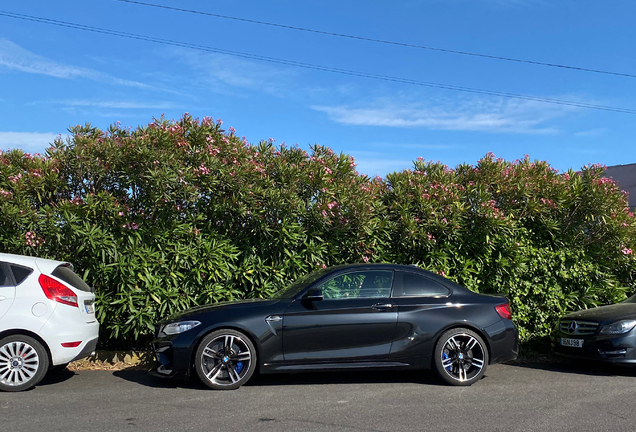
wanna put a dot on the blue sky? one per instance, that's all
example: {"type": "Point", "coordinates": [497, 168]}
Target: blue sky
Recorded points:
{"type": "Point", "coordinates": [53, 77]}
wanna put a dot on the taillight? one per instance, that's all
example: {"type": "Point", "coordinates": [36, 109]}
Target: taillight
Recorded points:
{"type": "Point", "coordinates": [504, 311]}
{"type": "Point", "coordinates": [56, 291]}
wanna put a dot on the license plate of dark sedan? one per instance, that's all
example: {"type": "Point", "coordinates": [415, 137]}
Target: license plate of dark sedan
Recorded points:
{"type": "Point", "coordinates": [576, 343]}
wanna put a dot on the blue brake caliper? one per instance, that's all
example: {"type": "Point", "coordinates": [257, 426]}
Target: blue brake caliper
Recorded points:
{"type": "Point", "coordinates": [444, 357]}
{"type": "Point", "coordinates": [239, 367]}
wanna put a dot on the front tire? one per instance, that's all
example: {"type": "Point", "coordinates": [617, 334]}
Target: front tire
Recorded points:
{"type": "Point", "coordinates": [461, 357]}
{"type": "Point", "coordinates": [225, 359]}
{"type": "Point", "coordinates": [23, 363]}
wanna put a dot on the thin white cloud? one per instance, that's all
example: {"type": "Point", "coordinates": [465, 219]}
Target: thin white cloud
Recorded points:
{"type": "Point", "coordinates": [117, 104]}
{"type": "Point", "coordinates": [591, 132]}
{"type": "Point", "coordinates": [381, 166]}
{"type": "Point", "coordinates": [415, 146]}
{"type": "Point", "coordinates": [483, 115]}
{"type": "Point", "coordinates": [377, 163]}
{"type": "Point", "coordinates": [27, 141]}
{"type": "Point", "coordinates": [16, 58]}
{"type": "Point", "coordinates": [222, 73]}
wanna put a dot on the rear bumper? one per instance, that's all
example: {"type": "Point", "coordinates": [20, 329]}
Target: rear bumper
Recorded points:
{"type": "Point", "coordinates": [503, 339]}
{"type": "Point", "coordinates": [88, 349]}
{"type": "Point", "coordinates": [56, 333]}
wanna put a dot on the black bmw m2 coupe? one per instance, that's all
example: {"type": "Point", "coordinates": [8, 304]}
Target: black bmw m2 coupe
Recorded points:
{"type": "Point", "coordinates": [361, 316]}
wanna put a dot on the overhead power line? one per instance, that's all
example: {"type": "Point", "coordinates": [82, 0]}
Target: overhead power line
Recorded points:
{"type": "Point", "coordinates": [382, 41]}
{"type": "Point", "coordinates": [313, 66]}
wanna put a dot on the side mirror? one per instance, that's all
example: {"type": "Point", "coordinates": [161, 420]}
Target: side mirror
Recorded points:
{"type": "Point", "coordinates": [314, 294]}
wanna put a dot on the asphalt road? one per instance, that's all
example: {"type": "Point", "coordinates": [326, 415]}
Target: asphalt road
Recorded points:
{"type": "Point", "coordinates": [514, 397]}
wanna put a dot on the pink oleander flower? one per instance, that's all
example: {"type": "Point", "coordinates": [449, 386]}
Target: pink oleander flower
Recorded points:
{"type": "Point", "coordinates": [627, 251]}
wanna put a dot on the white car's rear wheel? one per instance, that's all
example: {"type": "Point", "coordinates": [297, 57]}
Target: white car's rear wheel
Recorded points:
{"type": "Point", "coordinates": [23, 363]}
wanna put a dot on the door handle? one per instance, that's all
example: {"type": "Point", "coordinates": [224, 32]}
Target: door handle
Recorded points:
{"type": "Point", "coordinates": [381, 306]}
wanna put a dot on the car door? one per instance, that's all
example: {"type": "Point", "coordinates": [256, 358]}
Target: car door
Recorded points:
{"type": "Point", "coordinates": [7, 290]}
{"type": "Point", "coordinates": [355, 320]}
{"type": "Point", "coordinates": [423, 307]}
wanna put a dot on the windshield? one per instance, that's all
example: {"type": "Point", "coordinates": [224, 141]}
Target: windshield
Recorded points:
{"type": "Point", "coordinates": [300, 284]}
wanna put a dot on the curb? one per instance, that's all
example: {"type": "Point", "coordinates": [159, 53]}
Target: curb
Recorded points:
{"type": "Point", "coordinates": [114, 360]}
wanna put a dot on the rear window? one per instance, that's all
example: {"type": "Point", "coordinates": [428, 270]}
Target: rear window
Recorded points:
{"type": "Point", "coordinates": [414, 285]}
{"type": "Point", "coordinates": [20, 273]}
{"type": "Point", "coordinates": [67, 275]}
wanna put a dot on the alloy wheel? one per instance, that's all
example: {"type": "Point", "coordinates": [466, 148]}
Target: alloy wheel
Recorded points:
{"type": "Point", "coordinates": [463, 357]}
{"type": "Point", "coordinates": [226, 360]}
{"type": "Point", "coordinates": [19, 363]}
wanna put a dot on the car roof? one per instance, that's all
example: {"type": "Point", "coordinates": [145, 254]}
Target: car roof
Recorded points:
{"type": "Point", "coordinates": [387, 266]}
{"type": "Point", "coordinates": [45, 265]}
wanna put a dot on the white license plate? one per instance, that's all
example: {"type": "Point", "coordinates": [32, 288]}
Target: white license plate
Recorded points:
{"type": "Point", "coordinates": [577, 343]}
{"type": "Point", "coordinates": [90, 308]}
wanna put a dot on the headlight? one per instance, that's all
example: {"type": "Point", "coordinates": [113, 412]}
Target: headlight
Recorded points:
{"type": "Point", "coordinates": [179, 327]}
{"type": "Point", "coordinates": [619, 327]}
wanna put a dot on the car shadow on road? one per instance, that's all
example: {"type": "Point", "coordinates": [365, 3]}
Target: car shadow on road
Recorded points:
{"type": "Point", "coordinates": [579, 367]}
{"type": "Point", "coordinates": [287, 379]}
{"type": "Point", "coordinates": [144, 378]}
{"type": "Point", "coordinates": [56, 377]}
{"type": "Point", "coordinates": [347, 377]}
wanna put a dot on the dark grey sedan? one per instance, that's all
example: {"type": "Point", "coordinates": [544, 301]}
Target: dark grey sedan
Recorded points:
{"type": "Point", "coordinates": [604, 333]}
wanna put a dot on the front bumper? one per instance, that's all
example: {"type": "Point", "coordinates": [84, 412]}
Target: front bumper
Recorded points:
{"type": "Point", "coordinates": [172, 356]}
{"type": "Point", "coordinates": [618, 349]}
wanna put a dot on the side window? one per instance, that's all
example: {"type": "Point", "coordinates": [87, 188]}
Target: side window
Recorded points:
{"type": "Point", "coordinates": [20, 273]}
{"type": "Point", "coordinates": [364, 284]}
{"type": "Point", "coordinates": [414, 285]}
{"type": "Point", "coordinates": [5, 280]}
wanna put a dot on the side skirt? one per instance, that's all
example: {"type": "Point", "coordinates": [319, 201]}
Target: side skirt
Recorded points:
{"type": "Point", "coordinates": [274, 368]}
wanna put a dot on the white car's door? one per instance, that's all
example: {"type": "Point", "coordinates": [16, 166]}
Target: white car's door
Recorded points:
{"type": "Point", "coordinates": [7, 291]}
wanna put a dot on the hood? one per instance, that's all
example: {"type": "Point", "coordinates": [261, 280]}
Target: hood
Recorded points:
{"type": "Point", "coordinates": [237, 304]}
{"type": "Point", "coordinates": [611, 312]}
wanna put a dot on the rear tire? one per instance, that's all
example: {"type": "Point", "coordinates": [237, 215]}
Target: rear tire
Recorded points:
{"type": "Point", "coordinates": [23, 363]}
{"type": "Point", "coordinates": [461, 357]}
{"type": "Point", "coordinates": [225, 359]}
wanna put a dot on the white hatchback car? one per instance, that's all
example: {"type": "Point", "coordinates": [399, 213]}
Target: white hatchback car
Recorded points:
{"type": "Point", "coordinates": [47, 319]}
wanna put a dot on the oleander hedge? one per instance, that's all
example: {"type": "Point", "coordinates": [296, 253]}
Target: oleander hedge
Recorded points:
{"type": "Point", "coordinates": [179, 213]}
